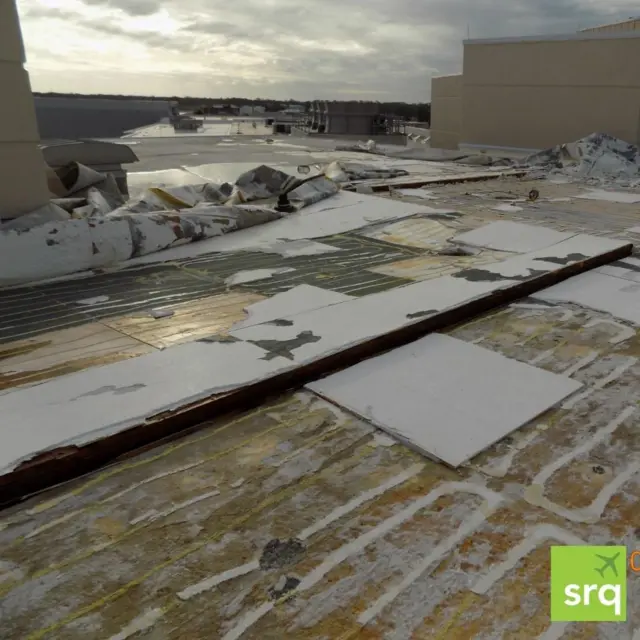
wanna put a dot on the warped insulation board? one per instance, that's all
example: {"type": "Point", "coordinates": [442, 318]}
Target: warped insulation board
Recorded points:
{"type": "Point", "coordinates": [163, 392]}
{"type": "Point", "coordinates": [445, 398]}
{"type": "Point", "coordinates": [511, 236]}
{"type": "Point", "coordinates": [79, 408]}
{"type": "Point", "coordinates": [315, 334]}
{"type": "Point", "coordinates": [417, 192]}
{"type": "Point", "coordinates": [304, 297]}
{"type": "Point", "coordinates": [624, 197]}
{"type": "Point", "coordinates": [617, 296]}
{"type": "Point", "coordinates": [627, 269]}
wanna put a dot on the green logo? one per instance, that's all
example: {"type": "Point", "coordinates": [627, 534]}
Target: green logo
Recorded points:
{"type": "Point", "coordinates": [588, 584]}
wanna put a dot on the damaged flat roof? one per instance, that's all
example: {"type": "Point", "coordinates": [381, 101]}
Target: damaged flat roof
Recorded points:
{"type": "Point", "coordinates": [300, 517]}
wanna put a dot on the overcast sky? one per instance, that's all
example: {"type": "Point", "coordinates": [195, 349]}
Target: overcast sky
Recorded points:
{"type": "Point", "coordinates": [302, 49]}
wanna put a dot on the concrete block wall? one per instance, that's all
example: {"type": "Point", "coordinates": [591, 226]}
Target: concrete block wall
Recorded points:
{"type": "Point", "coordinates": [446, 111]}
{"type": "Point", "coordinates": [23, 183]}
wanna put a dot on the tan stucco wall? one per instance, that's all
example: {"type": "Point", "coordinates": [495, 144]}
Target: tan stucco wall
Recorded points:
{"type": "Point", "coordinates": [627, 25]}
{"type": "Point", "coordinates": [446, 111]}
{"type": "Point", "coordinates": [537, 93]}
{"type": "Point", "coordinates": [23, 184]}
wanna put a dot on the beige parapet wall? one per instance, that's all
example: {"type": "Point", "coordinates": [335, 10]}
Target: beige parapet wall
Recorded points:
{"type": "Point", "coordinates": [533, 93]}
{"type": "Point", "coordinates": [23, 184]}
{"type": "Point", "coordinates": [627, 25]}
{"type": "Point", "coordinates": [446, 111]}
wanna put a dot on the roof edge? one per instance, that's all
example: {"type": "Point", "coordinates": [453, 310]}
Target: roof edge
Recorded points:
{"type": "Point", "coordinates": [610, 24]}
{"type": "Point", "coordinates": [581, 35]}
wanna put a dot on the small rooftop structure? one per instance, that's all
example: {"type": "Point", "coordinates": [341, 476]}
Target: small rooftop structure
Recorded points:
{"type": "Point", "coordinates": [351, 118]}
{"type": "Point", "coordinates": [186, 123]}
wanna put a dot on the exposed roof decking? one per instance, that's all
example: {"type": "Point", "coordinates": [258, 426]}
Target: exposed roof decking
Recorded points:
{"type": "Point", "coordinates": [145, 530]}
{"type": "Point", "coordinates": [119, 546]}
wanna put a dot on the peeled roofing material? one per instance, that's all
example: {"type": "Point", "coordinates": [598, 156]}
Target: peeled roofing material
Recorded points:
{"type": "Point", "coordinates": [511, 236]}
{"type": "Point", "coordinates": [106, 231]}
{"type": "Point", "coordinates": [81, 408]}
{"type": "Point", "coordinates": [598, 155]}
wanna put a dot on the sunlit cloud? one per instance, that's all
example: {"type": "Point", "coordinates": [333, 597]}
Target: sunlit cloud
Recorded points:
{"type": "Point", "coordinates": [364, 49]}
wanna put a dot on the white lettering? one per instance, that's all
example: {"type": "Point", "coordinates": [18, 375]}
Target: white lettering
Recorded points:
{"type": "Point", "coordinates": [615, 600]}
{"type": "Point", "coordinates": [588, 590]}
{"type": "Point", "coordinates": [572, 591]}
{"type": "Point", "coordinates": [609, 595]}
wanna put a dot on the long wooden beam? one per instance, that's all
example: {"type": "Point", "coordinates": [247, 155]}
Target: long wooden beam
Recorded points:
{"type": "Point", "coordinates": [67, 463]}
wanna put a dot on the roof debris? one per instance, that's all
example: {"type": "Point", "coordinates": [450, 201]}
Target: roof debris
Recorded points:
{"type": "Point", "coordinates": [499, 340]}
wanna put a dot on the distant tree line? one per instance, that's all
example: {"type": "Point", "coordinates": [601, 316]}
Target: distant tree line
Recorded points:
{"type": "Point", "coordinates": [420, 111]}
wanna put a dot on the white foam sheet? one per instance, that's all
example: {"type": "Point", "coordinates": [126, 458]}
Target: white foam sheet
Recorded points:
{"type": "Point", "coordinates": [623, 197]}
{"type": "Point", "coordinates": [511, 236]}
{"type": "Point", "coordinates": [340, 213]}
{"type": "Point", "coordinates": [92, 404]}
{"type": "Point", "coordinates": [446, 398]}
{"type": "Point", "coordinates": [508, 208]}
{"type": "Point", "coordinates": [304, 297]}
{"type": "Point", "coordinates": [88, 405]}
{"type": "Point", "coordinates": [340, 326]}
{"type": "Point", "coordinates": [417, 192]}
{"type": "Point", "coordinates": [349, 323]}
{"type": "Point", "coordinates": [627, 269]}
{"type": "Point", "coordinates": [617, 296]}
{"type": "Point", "coordinates": [253, 275]}
{"type": "Point", "coordinates": [575, 249]}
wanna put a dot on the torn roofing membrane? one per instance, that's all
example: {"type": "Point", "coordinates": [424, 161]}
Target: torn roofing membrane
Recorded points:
{"type": "Point", "coordinates": [77, 414]}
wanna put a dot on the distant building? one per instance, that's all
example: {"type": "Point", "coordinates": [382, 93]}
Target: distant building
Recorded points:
{"type": "Point", "coordinates": [75, 118]}
{"type": "Point", "coordinates": [251, 110]}
{"type": "Point", "coordinates": [220, 109]}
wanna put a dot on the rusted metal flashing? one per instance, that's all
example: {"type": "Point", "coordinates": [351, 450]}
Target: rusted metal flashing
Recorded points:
{"type": "Point", "coordinates": [64, 464]}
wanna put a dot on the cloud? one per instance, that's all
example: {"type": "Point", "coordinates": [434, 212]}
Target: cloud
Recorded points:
{"type": "Point", "coordinates": [131, 7]}
{"type": "Point", "coordinates": [364, 49]}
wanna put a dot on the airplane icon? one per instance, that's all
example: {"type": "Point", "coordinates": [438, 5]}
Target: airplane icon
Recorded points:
{"type": "Point", "coordinates": [609, 563]}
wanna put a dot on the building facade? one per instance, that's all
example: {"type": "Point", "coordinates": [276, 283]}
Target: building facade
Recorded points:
{"type": "Point", "coordinates": [536, 92]}
{"type": "Point", "coordinates": [446, 111]}
{"type": "Point", "coordinates": [23, 182]}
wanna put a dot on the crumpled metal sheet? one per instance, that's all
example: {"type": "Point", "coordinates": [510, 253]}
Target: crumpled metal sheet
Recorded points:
{"type": "Point", "coordinates": [263, 182]}
{"type": "Point", "coordinates": [313, 190]}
